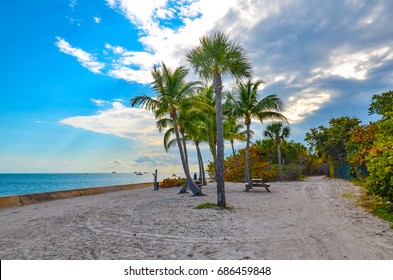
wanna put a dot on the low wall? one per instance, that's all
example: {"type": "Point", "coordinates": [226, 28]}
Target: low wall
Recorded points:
{"type": "Point", "coordinates": [27, 199]}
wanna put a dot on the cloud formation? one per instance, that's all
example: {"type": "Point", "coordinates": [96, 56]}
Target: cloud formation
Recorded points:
{"type": "Point", "coordinates": [130, 123]}
{"type": "Point", "coordinates": [86, 59]}
{"type": "Point", "coordinates": [97, 19]}
{"type": "Point", "coordinates": [309, 53]}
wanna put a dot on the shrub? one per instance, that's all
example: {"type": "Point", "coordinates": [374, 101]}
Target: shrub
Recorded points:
{"type": "Point", "coordinates": [315, 166]}
{"type": "Point", "coordinates": [292, 172]}
{"type": "Point", "coordinates": [380, 160]}
{"type": "Point", "coordinates": [172, 182]}
{"type": "Point", "coordinates": [380, 166]}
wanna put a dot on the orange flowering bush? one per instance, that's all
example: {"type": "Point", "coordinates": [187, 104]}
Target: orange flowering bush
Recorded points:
{"type": "Point", "coordinates": [172, 182]}
{"type": "Point", "coordinates": [258, 167]}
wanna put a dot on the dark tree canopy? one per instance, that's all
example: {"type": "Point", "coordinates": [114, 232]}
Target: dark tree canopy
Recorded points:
{"type": "Point", "coordinates": [381, 103]}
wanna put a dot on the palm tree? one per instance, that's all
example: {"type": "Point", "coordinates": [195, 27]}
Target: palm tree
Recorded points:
{"type": "Point", "coordinates": [171, 91]}
{"type": "Point", "coordinates": [215, 57]}
{"type": "Point", "coordinates": [277, 132]}
{"type": "Point", "coordinates": [245, 104]}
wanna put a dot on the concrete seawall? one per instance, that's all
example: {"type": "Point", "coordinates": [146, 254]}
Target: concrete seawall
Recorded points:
{"type": "Point", "coordinates": [27, 199]}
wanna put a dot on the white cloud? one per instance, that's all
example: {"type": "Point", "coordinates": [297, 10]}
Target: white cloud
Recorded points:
{"type": "Point", "coordinates": [73, 4]}
{"type": "Point", "coordinates": [130, 123]}
{"type": "Point", "coordinates": [168, 44]}
{"type": "Point", "coordinates": [99, 102]}
{"type": "Point", "coordinates": [304, 104]}
{"type": "Point", "coordinates": [353, 65]}
{"type": "Point", "coordinates": [97, 19]}
{"type": "Point", "coordinates": [131, 75]}
{"type": "Point", "coordinates": [87, 60]}
{"type": "Point", "coordinates": [160, 42]}
{"type": "Point", "coordinates": [295, 45]}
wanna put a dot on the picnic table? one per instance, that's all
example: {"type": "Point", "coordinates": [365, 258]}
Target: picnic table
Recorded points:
{"type": "Point", "coordinates": [257, 183]}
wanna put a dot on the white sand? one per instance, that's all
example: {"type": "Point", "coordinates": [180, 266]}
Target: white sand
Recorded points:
{"type": "Point", "coordinates": [297, 220]}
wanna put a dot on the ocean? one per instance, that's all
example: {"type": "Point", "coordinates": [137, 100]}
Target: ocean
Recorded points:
{"type": "Point", "coordinates": [19, 184]}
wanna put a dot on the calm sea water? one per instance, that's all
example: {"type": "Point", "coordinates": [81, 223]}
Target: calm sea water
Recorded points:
{"type": "Point", "coordinates": [18, 184]}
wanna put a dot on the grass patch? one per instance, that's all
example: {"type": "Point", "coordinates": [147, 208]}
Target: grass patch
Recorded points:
{"type": "Point", "coordinates": [212, 205]}
{"type": "Point", "coordinates": [347, 195]}
{"type": "Point", "coordinates": [206, 205]}
{"type": "Point", "coordinates": [377, 206]}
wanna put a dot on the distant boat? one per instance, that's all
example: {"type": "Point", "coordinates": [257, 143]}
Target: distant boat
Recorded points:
{"type": "Point", "coordinates": [113, 172]}
{"type": "Point", "coordinates": [139, 173]}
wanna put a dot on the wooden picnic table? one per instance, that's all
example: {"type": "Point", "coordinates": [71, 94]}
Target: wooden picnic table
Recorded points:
{"type": "Point", "coordinates": [257, 182]}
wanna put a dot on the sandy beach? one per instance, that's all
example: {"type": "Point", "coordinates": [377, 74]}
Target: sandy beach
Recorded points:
{"type": "Point", "coordinates": [310, 219]}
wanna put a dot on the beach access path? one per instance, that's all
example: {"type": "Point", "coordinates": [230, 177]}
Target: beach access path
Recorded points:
{"type": "Point", "coordinates": [309, 219]}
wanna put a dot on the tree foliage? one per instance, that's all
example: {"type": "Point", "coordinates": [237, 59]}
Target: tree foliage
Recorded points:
{"type": "Point", "coordinates": [381, 103]}
{"type": "Point", "coordinates": [331, 141]}
{"type": "Point", "coordinates": [380, 157]}
{"type": "Point", "coordinates": [346, 141]}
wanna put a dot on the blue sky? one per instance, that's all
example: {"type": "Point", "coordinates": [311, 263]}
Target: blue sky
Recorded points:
{"type": "Point", "coordinates": [70, 67]}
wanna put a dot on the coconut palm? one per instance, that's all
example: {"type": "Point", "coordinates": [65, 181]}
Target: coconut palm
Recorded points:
{"type": "Point", "coordinates": [215, 57]}
{"type": "Point", "coordinates": [278, 132]}
{"type": "Point", "coordinates": [246, 104]}
{"type": "Point", "coordinates": [171, 90]}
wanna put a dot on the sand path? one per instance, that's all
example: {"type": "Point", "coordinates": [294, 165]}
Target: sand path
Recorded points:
{"type": "Point", "coordinates": [297, 220]}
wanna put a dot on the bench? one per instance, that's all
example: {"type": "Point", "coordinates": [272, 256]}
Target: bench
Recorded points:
{"type": "Point", "coordinates": [257, 183]}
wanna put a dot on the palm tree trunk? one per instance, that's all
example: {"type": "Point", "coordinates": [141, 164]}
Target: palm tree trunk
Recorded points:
{"type": "Point", "coordinates": [246, 159]}
{"type": "Point", "coordinates": [184, 146]}
{"type": "Point", "coordinates": [213, 147]}
{"type": "Point", "coordinates": [271, 159]}
{"type": "Point", "coordinates": [199, 161]}
{"type": "Point", "coordinates": [219, 166]}
{"type": "Point", "coordinates": [195, 189]}
{"type": "Point", "coordinates": [234, 154]}
{"type": "Point", "coordinates": [202, 176]}
{"type": "Point", "coordinates": [279, 159]}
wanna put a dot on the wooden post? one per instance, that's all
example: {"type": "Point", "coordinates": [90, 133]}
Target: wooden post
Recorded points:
{"type": "Point", "coordinates": [156, 186]}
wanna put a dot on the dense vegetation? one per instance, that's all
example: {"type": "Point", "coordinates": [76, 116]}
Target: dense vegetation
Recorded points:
{"type": "Point", "coordinates": [365, 151]}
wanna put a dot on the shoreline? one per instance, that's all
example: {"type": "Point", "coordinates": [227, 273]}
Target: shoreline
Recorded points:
{"type": "Point", "coordinates": [28, 199]}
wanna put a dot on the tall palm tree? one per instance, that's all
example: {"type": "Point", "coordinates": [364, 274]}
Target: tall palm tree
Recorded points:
{"type": "Point", "coordinates": [171, 90]}
{"type": "Point", "coordinates": [246, 104]}
{"type": "Point", "coordinates": [215, 57]}
{"type": "Point", "coordinates": [278, 132]}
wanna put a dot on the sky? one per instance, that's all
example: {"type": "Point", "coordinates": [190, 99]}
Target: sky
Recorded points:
{"type": "Point", "coordinates": [70, 68]}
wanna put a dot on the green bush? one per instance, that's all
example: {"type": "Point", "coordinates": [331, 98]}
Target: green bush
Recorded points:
{"type": "Point", "coordinates": [380, 167]}
{"type": "Point", "coordinates": [380, 160]}
{"type": "Point", "coordinates": [292, 172]}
